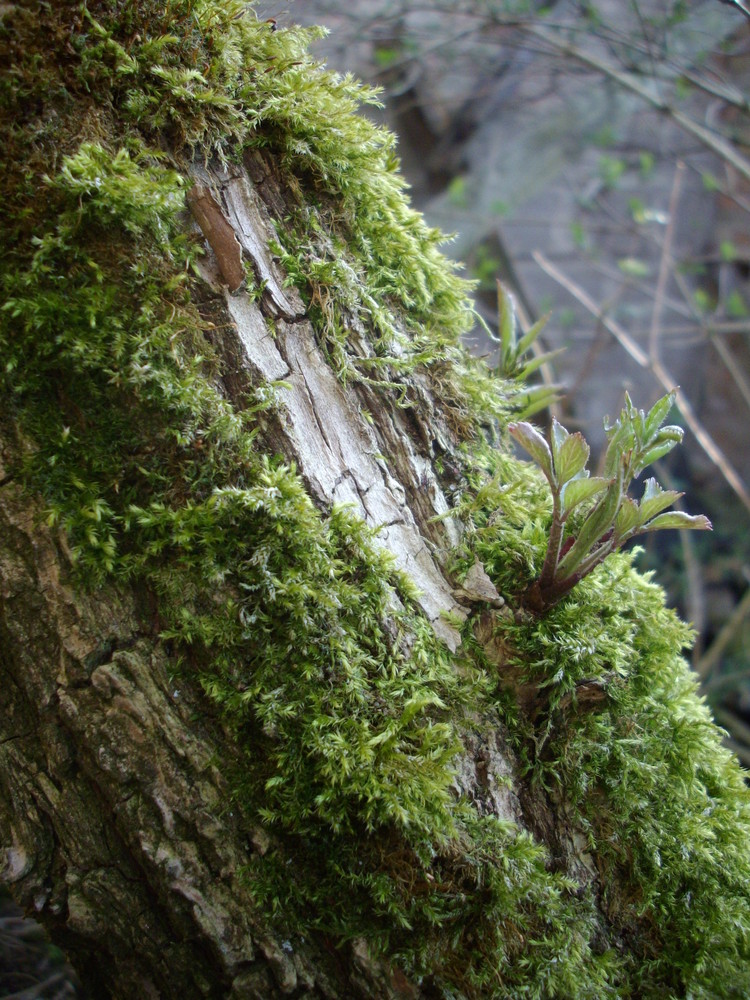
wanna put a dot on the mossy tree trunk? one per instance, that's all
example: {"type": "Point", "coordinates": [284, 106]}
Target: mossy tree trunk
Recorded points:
{"type": "Point", "coordinates": [118, 821]}
{"type": "Point", "coordinates": [269, 728]}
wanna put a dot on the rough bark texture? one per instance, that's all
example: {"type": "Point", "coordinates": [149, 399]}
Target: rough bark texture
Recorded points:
{"type": "Point", "coordinates": [118, 827]}
{"type": "Point", "coordinates": [323, 431]}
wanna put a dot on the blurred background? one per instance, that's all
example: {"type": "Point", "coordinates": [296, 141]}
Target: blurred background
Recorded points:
{"type": "Point", "coordinates": [595, 157]}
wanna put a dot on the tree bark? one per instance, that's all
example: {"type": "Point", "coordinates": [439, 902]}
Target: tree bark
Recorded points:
{"type": "Point", "coordinates": [115, 812]}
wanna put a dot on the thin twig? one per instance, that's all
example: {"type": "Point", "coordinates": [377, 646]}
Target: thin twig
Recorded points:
{"type": "Point", "coordinates": [738, 729]}
{"type": "Point", "coordinates": [696, 593]}
{"type": "Point", "coordinates": [729, 629]}
{"type": "Point", "coordinates": [620, 335]}
{"type": "Point", "coordinates": [725, 93]}
{"type": "Point", "coordinates": [711, 330]}
{"type": "Point", "coordinates": [665, 263]}
{"type": "Point", "coordinates": [712, 685]}
{"type": "Point", "coordinates": [628, 81]}
{"type": "Point", "coordinates": [661, 374]}
{"type": "Point", "coordinates": [732, 367]}
{"type": "Point", "coordinates": [699, 329]}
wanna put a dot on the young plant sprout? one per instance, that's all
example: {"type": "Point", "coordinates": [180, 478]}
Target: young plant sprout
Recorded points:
{"type": "Point", "coordinates": [514, 363]}
{"type": "Point", "coordinates": [636, 439]}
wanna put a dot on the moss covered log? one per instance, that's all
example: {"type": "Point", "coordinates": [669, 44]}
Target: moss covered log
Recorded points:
{"type": "Point", "coordinates": [261, 738]}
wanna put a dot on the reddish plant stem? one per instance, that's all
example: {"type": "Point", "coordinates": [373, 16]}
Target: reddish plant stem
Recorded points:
{"type": "Point", "coordinates": [547, 575]}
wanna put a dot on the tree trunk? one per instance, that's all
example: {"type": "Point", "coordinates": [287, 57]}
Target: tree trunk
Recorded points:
{"type": "Point", "coordinates": [116, 812]}
{"type": "Point", "coordinates": [241, 755]}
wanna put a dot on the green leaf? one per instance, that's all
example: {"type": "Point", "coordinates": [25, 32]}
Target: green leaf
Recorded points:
{"type": "Point", "coordinates": [654, 454]}
{"type": "Point", "coordinates": [622, 441]}
{"type": "Point", "coordinates": [531, 401]}
{"type": "Point", "coordinates": [633, 267]}
{"type": "Point", "coordinates": [558, 436]}
{"type": "Point", "coordinates": [710, 181]}
{"type": "Point", "coordinates": [728, 251]}
{"type": "Point", "coordinates": [659, 412]}
{"type": "Point", "coordinates": [599, 521]}
{"type": "Point", "coordinates": [385, 55]}
{"type": "Point", "coordinates": [611, 169]}
{"type": "Point", "coordinates": [537, 362]}
{"type": "Point", "coordinates": [507, 313]}
{"type": "Point", "coordinates": [531, 334]}
{"type": "Point", "coordinates": [621, 438]}
{"type": "Point", "coordinates": [655, 499]}
{"type": "Point", "coordinates": [530, 439]}
{"type": "Point", "coordinates": [736, 306]}
{"type": "Point", "coordinates": [578, 233]}
{"type": "Point", "coordinates": [669, 433]}
{"type": "Point", "coordinates": [578, 490]}
{"type": "Point", "coordinates": [571, 457]}
{"type": "Point", "coordinates": [457, 193]}
{"type": "Point", "coordinates": [679, 519]}
{"type": "Point", "coordinates": [629, 518]}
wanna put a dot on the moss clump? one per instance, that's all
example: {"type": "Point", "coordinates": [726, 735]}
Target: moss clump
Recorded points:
{"type": "Point", "coordinates": [285, 614]}
{"type": "Point", "coordinates": [478, 916]}
{"type": "Point", "coordinates": [114, 400]}
{"type": "Point", "coordinates": [621, 735]}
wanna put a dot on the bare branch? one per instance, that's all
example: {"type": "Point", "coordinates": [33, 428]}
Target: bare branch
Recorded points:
{"type": "Point", "coordinates": [628, 81]}
{"type": "Point", "coordinates": [665, 262]}
{"type": "Point", "coordinates": [711, 658]}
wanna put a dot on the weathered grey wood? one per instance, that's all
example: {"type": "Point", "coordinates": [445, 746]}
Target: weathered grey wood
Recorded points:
{"type": "Point", "coordinates": [334, 447]}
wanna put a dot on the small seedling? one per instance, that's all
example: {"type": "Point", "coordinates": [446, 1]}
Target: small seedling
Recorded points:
{"type": "Point", "coordinates": [636, 439]}
{"type": "Point", "coordinates": [513, 363]}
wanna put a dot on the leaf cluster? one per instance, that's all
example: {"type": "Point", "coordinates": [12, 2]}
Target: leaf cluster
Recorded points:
{"type": "Point", "coordinates": [635, 440]}
{"type": "Point", "coordinates": [515, 366]}
{"type": "Point", "coordinates": [660, 805]}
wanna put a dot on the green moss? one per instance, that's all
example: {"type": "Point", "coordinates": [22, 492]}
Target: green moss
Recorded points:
{"type": "Point", "coordinates": [347, 731]}
{"type": "Point", "coordinates": [480, 916]}
{"type": "Point", "coordinates": [115, 455]}
{"type": "Point", "coordinates": [667, 804]}
{"type": "Point", "coordinates": [662, 805]}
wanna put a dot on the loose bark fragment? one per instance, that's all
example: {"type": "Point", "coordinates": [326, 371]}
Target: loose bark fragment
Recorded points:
{"type": "Point", "coordinates": [219, 233]}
